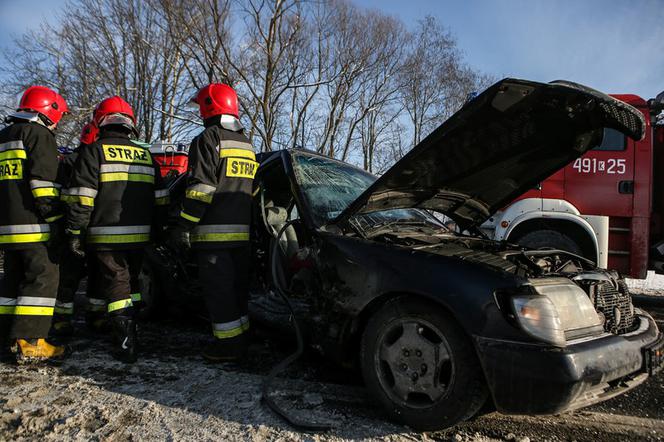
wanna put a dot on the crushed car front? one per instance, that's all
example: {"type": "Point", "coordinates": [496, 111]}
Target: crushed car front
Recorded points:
{"type": "Point", "coordinates": [552, 331]}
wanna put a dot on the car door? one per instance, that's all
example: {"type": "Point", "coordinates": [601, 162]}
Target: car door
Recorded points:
{"type": "Point", "coordinates": [601, 182]}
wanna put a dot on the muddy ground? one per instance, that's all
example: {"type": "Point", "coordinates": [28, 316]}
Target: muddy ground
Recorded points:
{"type": "Point", "coordinates": [172, 394]}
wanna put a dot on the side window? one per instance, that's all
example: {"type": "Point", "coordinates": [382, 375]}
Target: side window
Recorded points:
{"type": "Point", "coordinates": [613, 141]}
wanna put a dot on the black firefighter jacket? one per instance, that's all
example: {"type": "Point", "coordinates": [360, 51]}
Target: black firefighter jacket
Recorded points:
{"type": "Point", "coordinates": [29, 193]}
{"type": "Point", "coordinates": [217, 204]}
{"type": "Point", "coordinates": [114, 194]}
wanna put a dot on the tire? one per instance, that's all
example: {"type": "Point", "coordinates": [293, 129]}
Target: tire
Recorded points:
{"type": "Point", "coordinates": [552, 239]}
{"type": "Point", "coordinates": [400, 357]}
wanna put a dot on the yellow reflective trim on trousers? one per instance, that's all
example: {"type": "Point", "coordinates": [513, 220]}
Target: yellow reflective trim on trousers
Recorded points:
{"type": "Point", "coordinates": [26, 310]}
{"type": "Point", "coordinates": [124, 176]}
{"type": "Point", "coordinates": [119, 305]}
{"type": "Point", "coordinates": [188, 217]}
{"type": "Point", "coordinates": [13, 155]}
{"type": "Point", "coordinates": [163, 201]}
{"type": "Point", "coordinates": [215, 237]}
{"type": "Point", "coordinates": [200, 196]}
{"type": "Point", "coordinates": [136, 297]}
{"type": "Point", "coordinates": [245, 326]}
{"type": "Point", "coordinates": [237, 153]}
{"type": "Point", "coordinates": [53, 218]}
{"type": "Point", "coordinates": [24, 237]}
{"type": "Point", "coordinates": [64, 311]}
{"type": "Point", "coordinates": [118, 239]}
{"type": "Point", "coordinates": [45, 191]}
{"type": "Point", "coordinates": [82, 200]}
{"type": "Point", "coordinates": [225, 334]}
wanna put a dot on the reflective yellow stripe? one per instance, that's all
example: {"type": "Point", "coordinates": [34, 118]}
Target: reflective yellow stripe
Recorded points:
{"type": "Point", "coordinates": [118, 305]}
{"type": "Point", "coordinates": [188, 217]}
{"type": "Point", "coordinates": [26, 310]}
{"type": "Point", "coordinates": [162, 201]}
{"type": "Point", "coordinates": [136, 297]}
{"type": "Point", "coordinates": [73, 232]}
{"type": "Point", "coordinates": [245, 326]}
{"type": "Point", "coordinates": [64, 310]}
{"type": "Point", "coordinates": [53, 218]}
{"type": "Point", "coordinates": [45, 191]}
{"type": "Point", "coordinates": [220, 237]}
{"type": "Point", "coordinates": [225, 334]}
{"type": "Point", "coordinates": [237, 153]}
{"type": "Point", "coordinates": [200, 196]}
{"type": "Point", "coordinates": [82, 200]}
{"type": "Point", "coordinates": [7, 309]}
{"type": "Point", "coordinates": [13, 154]}
{"type": "Point", "coordinates": [118, 239]}
{"type": "Point", "coordinates": [124, 176]}
{"type": "Point", "coordinates": [25, 237]}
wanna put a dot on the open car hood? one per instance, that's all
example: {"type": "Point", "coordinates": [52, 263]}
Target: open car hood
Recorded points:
{"type": "Point", "coordinates": [498, 146]}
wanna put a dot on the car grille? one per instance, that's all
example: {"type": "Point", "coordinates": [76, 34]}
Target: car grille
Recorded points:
{"type": "Point", "coordinates": [616, 306]}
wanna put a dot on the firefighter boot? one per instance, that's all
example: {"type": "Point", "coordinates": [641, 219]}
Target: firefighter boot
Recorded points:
{"type": "Point", "coordinates": [97, 323]}
{"type": "Point", "coordinates": [124, 337]}
{"type": "Point", "coordinates": [6, 355]}
{"type": "Point", "coordinates": [37, 350]}
{"type": "Point", "coordinates": [62, 326]}
{"type": "Point", "coordinates": [226, 350]}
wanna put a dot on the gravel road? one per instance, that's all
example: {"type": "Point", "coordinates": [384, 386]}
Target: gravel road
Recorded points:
{"type": "Point", "coordinates": [172, 394]}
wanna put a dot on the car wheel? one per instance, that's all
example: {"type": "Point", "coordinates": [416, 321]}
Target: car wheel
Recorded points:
{"type": "Point", "coordinates": [550, 239]}
{"type": "Point", "coordinates": [421, 366]}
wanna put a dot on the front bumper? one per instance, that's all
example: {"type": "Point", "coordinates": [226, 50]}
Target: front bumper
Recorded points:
{"type": "Point", "coordinates": [537, 379]}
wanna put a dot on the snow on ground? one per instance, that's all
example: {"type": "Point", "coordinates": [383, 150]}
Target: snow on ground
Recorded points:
{"type": "Point", "coordinates": [653, 282]}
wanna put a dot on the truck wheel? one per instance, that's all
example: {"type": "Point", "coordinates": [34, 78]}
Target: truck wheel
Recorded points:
{"type": "Point", "coordinates": [420, 365]}
{"type": "Point", "coordinates": [550, 239]}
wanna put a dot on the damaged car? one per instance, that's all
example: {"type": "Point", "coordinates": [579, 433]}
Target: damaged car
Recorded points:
{"type": "Point", "coordinates": [444, 322]}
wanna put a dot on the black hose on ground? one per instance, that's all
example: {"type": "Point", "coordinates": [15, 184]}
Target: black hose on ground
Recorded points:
{"type": "Point", "coordinates": [295, 421]}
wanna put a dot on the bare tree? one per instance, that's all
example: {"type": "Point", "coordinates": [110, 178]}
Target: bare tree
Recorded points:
{"type": "Point", "coordinates": [349, 82]}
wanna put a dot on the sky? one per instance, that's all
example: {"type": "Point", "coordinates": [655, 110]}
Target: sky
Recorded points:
{"type": "Point", "coordinates": [611, 45]}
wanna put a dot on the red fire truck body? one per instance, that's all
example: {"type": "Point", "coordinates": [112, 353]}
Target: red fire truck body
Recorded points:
{"type": "Point", "coordinates": [606, 205]}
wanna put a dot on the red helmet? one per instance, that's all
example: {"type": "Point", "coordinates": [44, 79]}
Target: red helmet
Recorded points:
{"type": "Point", "coordinates": [216, 99]}
{"type": "Point", "coordinates": [89, 133]}
{"type": "Point", "coordinates": [113, 105]}
{"type": "Point", "coordinates": [45, 101]}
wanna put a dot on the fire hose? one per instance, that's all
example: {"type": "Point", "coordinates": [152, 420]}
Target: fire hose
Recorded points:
{"type": "Point", "coordinates": [295, 421]}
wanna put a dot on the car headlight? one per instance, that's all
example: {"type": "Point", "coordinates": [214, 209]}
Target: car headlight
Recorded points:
{"type": "Point", "coordinates": [560, 307]}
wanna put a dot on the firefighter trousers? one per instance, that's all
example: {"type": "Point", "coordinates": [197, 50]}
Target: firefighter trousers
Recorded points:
{"type": "Point", "coordinates": [72, 271]}
{"type": "Point", "coordinates": [224, 275]}
{"type": "Point", "coordinates": [117, 279]}
{"type": "Point", "coordinates": [28, 292]}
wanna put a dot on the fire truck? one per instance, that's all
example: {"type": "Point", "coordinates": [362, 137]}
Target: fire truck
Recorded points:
{"type": "Point", "coordinates": [607, 206]}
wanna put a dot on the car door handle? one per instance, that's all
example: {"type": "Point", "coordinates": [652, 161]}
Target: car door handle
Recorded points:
{"type": "Point", "coordinates": [626, 187]}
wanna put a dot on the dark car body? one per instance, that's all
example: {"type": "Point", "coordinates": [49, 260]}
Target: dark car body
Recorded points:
{"type": "Point", "coordinates": [349, 243]}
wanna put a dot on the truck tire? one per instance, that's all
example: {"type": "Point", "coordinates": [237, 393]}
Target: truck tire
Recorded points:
{"type": "Point", "coordinates": [420, 366]}
{"type": "Point", "coordinates": [551, 239]}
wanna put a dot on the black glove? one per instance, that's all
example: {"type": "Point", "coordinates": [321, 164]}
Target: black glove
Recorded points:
{"type": "Point", "coordinates": [76, 246]}
{"type": "Point", "coordinates": [178, 241]}
{"type": "Point", "coordinates": [56, 236]}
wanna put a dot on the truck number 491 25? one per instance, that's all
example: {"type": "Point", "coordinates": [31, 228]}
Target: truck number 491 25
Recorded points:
{"type": "Point", "coordinates": [611, 166]}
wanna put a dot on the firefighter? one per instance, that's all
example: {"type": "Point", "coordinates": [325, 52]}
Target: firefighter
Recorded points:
{"type": "Point", "coordinates": [113, 193]}
{"type": "Point", "coordinates": [72, 268]}
{"type": "Point", "coordinates": [29, 224]}
{"type": "Point", "coordinates": [215, 217]}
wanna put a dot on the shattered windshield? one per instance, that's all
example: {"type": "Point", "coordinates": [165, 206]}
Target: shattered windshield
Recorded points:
{"type": "Point", "coordinates": [331, 186]}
